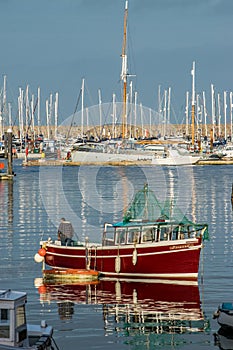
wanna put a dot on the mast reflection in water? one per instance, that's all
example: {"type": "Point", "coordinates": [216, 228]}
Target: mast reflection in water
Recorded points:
{"type": "Point", "coordinates": [134, 309]}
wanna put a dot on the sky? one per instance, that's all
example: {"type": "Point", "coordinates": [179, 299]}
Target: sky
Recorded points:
{"type": "Point", "coordinates": [54, 44]}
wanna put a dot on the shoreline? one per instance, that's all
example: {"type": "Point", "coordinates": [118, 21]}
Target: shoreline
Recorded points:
{"type": "Point", "coordinates": [62, 162]}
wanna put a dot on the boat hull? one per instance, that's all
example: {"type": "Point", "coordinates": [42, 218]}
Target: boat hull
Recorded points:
{"type": "Point", "coordinates": [175, 158]}
{"type": "Point", "coordinates": [101, 157]}
{"type": "Point", "coordinates": [225, 320]}
{"type": "Point", "coordinates": [173, 260]}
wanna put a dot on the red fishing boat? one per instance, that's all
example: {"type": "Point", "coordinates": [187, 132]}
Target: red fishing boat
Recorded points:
{"type": "Point", "coordinates": [152, 241]}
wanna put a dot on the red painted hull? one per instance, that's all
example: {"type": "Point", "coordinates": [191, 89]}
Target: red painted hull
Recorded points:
{"type": "Point", "coordinates": [173, 260]}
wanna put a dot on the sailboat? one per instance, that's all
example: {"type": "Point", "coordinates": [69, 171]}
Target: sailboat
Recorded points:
{"type": "Point", "coordinates": [126, 149]}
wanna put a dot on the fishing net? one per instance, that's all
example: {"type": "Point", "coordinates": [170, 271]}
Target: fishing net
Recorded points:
{"type": "Point", "coordinates": [145, 207]}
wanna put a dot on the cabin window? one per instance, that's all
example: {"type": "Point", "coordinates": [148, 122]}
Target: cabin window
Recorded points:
{"type": "Point", "coordinates": [4, 323]}
{"type": "Point", "coordinates": [108, 236]}
{"type": "Point", "coordinates": [181, 233]}
{"type": "Point", "coordinates": [4, 315]}
{"type": "Point", "coordinates": [148, 234]}
{"type": "Point", "coordinates": [120, 236]}
{"type": "Point", "coordinates": [133, 235]}
{"type": "Point", "coordinates": [174, 232]}
{"type": "Point", "coordinates": [20, 316]}
{"type": "Point", "coordinates": [165, 233]}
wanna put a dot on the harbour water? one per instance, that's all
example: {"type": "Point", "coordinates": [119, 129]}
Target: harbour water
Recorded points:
{"type": "Point", "coordinates": [115, 314]}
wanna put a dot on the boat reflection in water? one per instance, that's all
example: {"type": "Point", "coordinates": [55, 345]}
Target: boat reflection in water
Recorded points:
{"type": "Point", "coordinates": [223, 339]}
{"type": "Point", "coordinates": [134, 308]}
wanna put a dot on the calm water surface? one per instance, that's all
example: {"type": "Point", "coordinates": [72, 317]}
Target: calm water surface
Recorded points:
{"type": "Point", "coordinates": [113, 314]}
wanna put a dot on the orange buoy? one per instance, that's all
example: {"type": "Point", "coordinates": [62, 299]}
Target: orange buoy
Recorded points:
{"type": "Point", "coordinates": [42, 289]}
{"type": "Point", "coordinates": [42, 251]}
{"type": "Point", "coordinates": [1, 165]}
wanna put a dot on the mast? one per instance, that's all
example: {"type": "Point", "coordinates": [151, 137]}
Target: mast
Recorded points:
{"type": "Point", "coordinates": [193, 103]}
{"type": "Point", "coordinates": [165, 114]}
{"type": "Point", "coordinates": [187, 113]}
{"type": "Point", "coordinates": [219, 115]}
{"type": "Point", "coordinates": [47, 116]}
{"type": "Point", "coordinates": [213, 109]}
{"type": "Point", "coordinates": [231, 105]}
{"type": "Point", "coordinates": [124, 71]}
{"type": "Point", "coordinates": [38, 110]}
{"type": "Point", "coordinates": [27, 109]}
{"type": "Point", "coordinates": [21, 123]}
{"type": "Point", "coordinates": [5, 100]}
{"type": "Point", "coordinates": [50, 114]}
{"type": "Point", "coordinates": [56, 114]}
{"type": "Point", "coordinates": [141, 114]}
{"type": "Point", "coordinates": [82, 129]}
{"type": "Point", "coordinates": [205, 113]}
{"type": "Point", "coordinates": [113, 115]}
{"type": "Point", "coordinates": [160, 110]}
{"type": "Point", "coordinates": [32, 117]}
{"type": "Point", "coordinates": [10, 114]}
{"type": "Point", "coordinates": [169, 110]}
{"type": "Point", "coordinates": [150, 123]}
{"type": "Point", "coordinates": [135, 114]}
{"type": "Point", "coordinates": [130, 106]}
{"type": "Point", "coordinates": [225, 114]}
{"type": "Point", "coordinates": [100, 114]}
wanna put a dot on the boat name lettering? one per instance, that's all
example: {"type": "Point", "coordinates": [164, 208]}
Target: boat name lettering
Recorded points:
{"type": "Point", "coordinates": [180, 246]}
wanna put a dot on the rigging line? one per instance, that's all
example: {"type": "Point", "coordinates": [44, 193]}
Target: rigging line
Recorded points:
{"type": "Point", "coordinates": [106, 114]}
{"type": "Point", "coordinates": [89, 94]}
{"type": "Point", "coordinates": [55, 343]}
{"type": "Point", "coordinates": [91, 100]}
{"type": "Point", "coordinates": [32, 114]}
{"type": "Point", "coordinates": [75, 110]}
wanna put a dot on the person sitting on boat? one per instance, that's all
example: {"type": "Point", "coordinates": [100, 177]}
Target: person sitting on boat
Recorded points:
{"type": "Point", "coordinates": [65, 232]}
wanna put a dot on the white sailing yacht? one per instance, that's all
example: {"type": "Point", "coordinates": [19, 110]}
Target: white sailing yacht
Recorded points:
{"type": "Point", "coordinates": [123, 149]}
{"type": "Point", "coordinates": [126, 148]}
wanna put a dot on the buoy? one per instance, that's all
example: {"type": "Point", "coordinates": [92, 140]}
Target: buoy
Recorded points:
{"type": "Point", "coordinates": [38, 281]}
{"type": "Point", "coordinates": [42, 289]}
{"type": "Point", "coordinates": [42, 251]}
{"type": "Point", "coordinates": [38, 258]}
{"type": "Point", "coordinates": [118, 264]}
{"type": "Point", "coordinates": [135, 257]}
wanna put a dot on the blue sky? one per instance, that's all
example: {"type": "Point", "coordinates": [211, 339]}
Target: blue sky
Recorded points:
{"type": "Point", "coordinates": [55, 43]}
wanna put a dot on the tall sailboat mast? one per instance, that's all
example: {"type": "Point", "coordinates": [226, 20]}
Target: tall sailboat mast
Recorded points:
{"type": "Point", "coordinates": [124, 71]}
{"type": "Point", "coordinates": [193, 103]}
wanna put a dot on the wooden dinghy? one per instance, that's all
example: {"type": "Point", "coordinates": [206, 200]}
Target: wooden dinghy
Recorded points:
{"type": "Point", "coordinates": [70, 275]}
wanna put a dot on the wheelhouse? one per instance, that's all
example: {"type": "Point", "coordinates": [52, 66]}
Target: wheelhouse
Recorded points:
{"type": "Point", "coordinates": [140, 233]}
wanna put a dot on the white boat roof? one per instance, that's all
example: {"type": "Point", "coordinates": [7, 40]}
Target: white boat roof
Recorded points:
{"type": "Point", "coordinates": [8, 294]}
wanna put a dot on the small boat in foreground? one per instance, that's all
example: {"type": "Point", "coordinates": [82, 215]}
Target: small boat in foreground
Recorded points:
{"type": "Point", "coordinates": [153, 240]}
{"type": "Point", "coordinates": [224, 316]}
{"type": "Point", "coordinates": [14, 331]}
